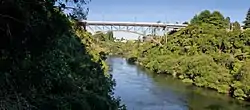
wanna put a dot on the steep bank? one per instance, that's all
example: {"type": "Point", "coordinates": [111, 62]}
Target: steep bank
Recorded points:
{"type": "Point", "coordinates": [47, 62]}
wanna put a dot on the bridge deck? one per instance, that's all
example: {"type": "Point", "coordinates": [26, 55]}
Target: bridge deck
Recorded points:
{"type": "Point", "coordinates": [146, 24]}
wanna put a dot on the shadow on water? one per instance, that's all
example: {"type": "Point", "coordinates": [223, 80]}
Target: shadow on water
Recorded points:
{"type": "Point", "coordinates": [141, 89]}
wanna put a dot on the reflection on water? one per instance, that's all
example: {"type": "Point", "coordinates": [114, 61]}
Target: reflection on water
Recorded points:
{"type": "Point", "coordinates": [141, 90]}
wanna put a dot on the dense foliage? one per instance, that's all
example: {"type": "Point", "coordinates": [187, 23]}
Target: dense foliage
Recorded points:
{"type": "Point", "coordinates": [215, 18]}
{"type": "Point", "coordinates": [100, 36]}
{"type": "Point", "coordinates": [247, 20]}
{"type": "Point", "coordinates": [47, 62]}
{"type": "Point", "coordinates": [206, 53]}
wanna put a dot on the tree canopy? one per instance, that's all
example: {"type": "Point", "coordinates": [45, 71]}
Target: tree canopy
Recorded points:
{"type": "Point", "coordinates": [215, 18]}
{"type": "Point", "coordinates": [47, 62]}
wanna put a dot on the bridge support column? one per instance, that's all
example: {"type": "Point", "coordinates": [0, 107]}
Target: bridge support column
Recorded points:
{"type": "Point", "coordinates": [166, 34]}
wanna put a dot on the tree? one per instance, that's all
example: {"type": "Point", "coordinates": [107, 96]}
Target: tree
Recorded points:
{"type": "Point", "coordinates": [203, 17]}
{"type": "Point", "coordinates": [247, 20]}
{"type": "Point", "coordinates": [110, 36]}
{"type": "Point", "coordinates": [218, 19]}
{"type": "Point", "coordinates": [76, 8]}
{"type": "Point", "coordinates": [194, 20]}
{"type": "Point", "coordinates": [236, 26]}
{"type": "Point", "coordinates": [228, 22]}
{"type": "Point", "coordinates": [215, 18]}
{"type": "Point", "coordinates": [48, 63]}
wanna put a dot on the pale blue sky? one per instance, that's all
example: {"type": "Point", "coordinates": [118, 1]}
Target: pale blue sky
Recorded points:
{"type": "Point", "coordinates": [163, 10]}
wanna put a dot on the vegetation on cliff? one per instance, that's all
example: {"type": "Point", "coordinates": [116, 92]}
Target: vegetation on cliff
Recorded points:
{"type": "Point", "coordinates": [47, 62]}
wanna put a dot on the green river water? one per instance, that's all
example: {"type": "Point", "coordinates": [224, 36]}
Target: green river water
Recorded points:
{"type": "Point", "coordinates": [140, 89]}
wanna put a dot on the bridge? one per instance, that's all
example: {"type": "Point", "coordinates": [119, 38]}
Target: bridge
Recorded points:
{"type": "Point", "coordinates": [140, 28]}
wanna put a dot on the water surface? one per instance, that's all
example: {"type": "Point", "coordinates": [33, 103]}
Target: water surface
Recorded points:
{"type": "Point", "coordinates": [140, 89]}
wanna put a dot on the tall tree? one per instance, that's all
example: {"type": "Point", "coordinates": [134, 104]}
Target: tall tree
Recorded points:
{"type": "Point", "coordinates": [110, 36]}
{"type": "Point", "coordinates": [194, 20]}
{"type": "Point", "coordinates": [218, 19]}
{"type": "Point", "coordinates": [236, 26]}
{"type": "Point", "coordinates": [247, 20]}
{"type": "Point", "coordinates": [203, 17]}
{"type": "Point", "coordinates": [228, 21]}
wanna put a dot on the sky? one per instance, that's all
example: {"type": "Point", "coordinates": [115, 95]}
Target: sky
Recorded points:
{"type": "Point", "coordinates": [163, 10]}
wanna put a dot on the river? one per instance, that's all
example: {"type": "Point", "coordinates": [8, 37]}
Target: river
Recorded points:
{"type": "Point", "coordinates": [140, 89]}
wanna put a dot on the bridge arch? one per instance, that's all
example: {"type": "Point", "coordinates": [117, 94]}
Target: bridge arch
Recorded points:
{"type": "Point", "coordinates": [134, 32]}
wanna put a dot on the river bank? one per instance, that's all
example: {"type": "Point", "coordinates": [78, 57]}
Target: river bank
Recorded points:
{"type": "Point", "coordinates": [140, 89]}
